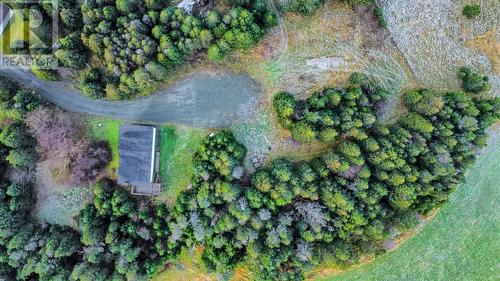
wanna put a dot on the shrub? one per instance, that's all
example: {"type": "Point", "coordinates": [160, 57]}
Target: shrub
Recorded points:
{"type": "Point", "coordinates": [473, 82]}
{"type": "Point", "coordinates": [8, 88]}
{"type": "Point", "coordinates": [304, 7]}
{"type": "Point", "coordinates": [471, 11]}
{"type": "Point", "coordinates": [21, 157]}
{"type": "Point", "coordinates": [214, 53]}
{"type": "Point", "coordinates": [45, 74]}
{"type": "Point", "coordinates": [91, 83]}
{"type": "Point", "coordinates": [379, 14]}
{"type": "Point", "coordinates": [284, 103]}
{"type": "Point", "coordinates": [72, 52]}
{"type": "Point", "coordinates": [303, 132]}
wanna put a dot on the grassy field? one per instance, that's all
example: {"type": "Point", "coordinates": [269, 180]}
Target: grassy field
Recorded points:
{"type": "Point", "coordinates": [462, 242]}
{"type": "Point", "coordinates": [439, 50]}
{"type": "Point", "coordinates": [177, 147]}
{"type": "Point", "coordinates": [16, 30]}
{"type": "Point", "coordinates": [107, 130]}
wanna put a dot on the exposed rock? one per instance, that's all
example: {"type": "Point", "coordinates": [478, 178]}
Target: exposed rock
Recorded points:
{"type": "Point", "coordinates": [326, 63]}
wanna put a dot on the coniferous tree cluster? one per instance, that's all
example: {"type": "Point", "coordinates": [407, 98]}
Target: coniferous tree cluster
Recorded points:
{"type": "Point", "coordinates": [473, 82]}
{"type": "Point", "coordinates": [117, 238]}
{"type": "Point", "coordinates": [141, 42]}
{"type": "Point", "coordinates": [329, 113]}
{"type": "Point", "coordinates": [342, 204]}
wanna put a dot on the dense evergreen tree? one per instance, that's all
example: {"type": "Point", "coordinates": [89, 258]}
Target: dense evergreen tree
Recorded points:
{"type": "Point", "coordinates": [134, 39]}
{"type": "Point", "coordinates": [283, 218]}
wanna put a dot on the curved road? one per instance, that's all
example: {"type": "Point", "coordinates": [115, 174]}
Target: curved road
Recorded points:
{"type": "Point", "coordinates": [202, 99]}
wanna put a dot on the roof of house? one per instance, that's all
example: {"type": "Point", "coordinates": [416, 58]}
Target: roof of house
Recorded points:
{"type": "Point", "coordinates": [136, 154]}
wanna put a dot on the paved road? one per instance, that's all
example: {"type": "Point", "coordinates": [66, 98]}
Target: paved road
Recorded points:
{"type": "Point", "coordinates": [202, 99]}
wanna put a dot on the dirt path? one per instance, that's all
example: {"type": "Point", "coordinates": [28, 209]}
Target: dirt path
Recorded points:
{"type": "Point", "coordinates": [282, 29]}
{"type": "Point", "coordinates": [202, 99]}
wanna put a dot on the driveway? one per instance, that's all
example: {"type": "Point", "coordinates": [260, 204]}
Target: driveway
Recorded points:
{"type": "Point", "coordinates": [202, 99]}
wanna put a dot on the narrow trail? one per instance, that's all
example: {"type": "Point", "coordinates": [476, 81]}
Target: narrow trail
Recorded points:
{"type": "Point", "coordinates": [282, 29]}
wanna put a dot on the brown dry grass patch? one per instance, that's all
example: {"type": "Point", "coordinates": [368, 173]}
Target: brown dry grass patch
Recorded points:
{"type": "Point", "coordinates": [488, 43]}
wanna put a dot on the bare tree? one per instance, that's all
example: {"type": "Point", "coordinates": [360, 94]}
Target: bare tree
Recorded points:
{"type": "Point", "coordinates": [312, 213]}
{"type": "Point", "coordinates": [60, 137]}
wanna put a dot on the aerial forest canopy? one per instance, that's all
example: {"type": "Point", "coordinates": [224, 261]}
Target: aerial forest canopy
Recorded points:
{"type": "Point", "coordinates": [342, 204]}
{"type": "Point", "coordinates": [282, 219]}
{"type": "Point", "coordinates": [139, 43]}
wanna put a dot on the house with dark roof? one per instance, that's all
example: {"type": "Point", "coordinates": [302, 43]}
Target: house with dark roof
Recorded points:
{"type": "Point", "coordinates": [5, 15]}
{"type": "Point", "coordinates": [138, 159]}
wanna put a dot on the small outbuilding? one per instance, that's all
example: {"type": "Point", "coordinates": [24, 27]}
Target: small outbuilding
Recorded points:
{"type": "Point", "coordinates": [6, 14]}
{"type": "Point", "coordinates": [137, 159]}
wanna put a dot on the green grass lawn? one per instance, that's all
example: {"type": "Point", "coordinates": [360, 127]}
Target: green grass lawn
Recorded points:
{"type": "Point", "coordinates": [107, 130]}
{"type": "Point", "coordinates": [177, 147]}
{"type": "Point", "coordinates": [462, 242]}
{"type": "Point", "coordinates": [17, 29]}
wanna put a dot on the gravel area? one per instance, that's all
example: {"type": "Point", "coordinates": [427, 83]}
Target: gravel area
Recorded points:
{"type": "Point", "coordinates": [202, 99]}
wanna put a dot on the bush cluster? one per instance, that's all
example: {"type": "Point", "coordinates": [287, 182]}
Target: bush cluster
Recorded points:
{"type": "Point", "coordinates": [471, 11]}
{"type": "Point", "coordinates": [473, 82]}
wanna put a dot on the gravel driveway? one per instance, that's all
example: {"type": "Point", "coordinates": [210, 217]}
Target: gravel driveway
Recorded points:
{"type": "Point", "coordinates": [203, 99]}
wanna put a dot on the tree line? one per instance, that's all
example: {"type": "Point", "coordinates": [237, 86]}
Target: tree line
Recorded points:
{"type": "Point", "coordinates": [343, 204]}
{"type": "Point", "coordinates": [139, 43]}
